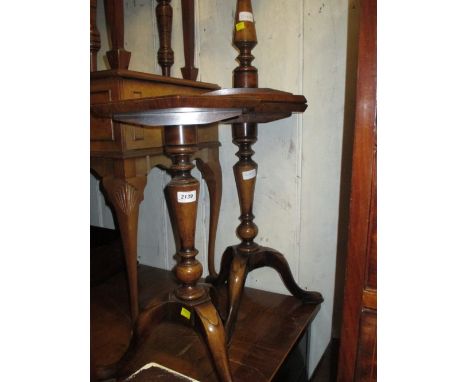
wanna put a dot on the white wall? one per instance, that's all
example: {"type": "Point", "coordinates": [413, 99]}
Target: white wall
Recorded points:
{"type": "Point", "coordinates": [302, 49]}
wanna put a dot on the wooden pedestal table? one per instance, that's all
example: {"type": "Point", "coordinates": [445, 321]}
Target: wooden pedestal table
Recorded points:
{"type": "Point", "coordinates": [239, 260]}
{"type": "Point", "coordinates": [238, 106]}
{"type": "Point", "coordinates": [190, 302]}
{"type": "Point", "coordinates": [122, 155]}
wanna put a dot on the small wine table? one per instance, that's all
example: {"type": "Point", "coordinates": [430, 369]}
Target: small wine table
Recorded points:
{"type": "Point", "coordinates": [122, 156]}
{"type": "Point", "coordinates": [182, 117]}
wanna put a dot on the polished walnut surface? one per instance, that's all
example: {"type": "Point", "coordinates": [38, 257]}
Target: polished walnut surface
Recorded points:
{"type": "Point", "coordinates": [132, 74]}
{"type": "Point", "coordinates": [227, 105]}
{"type": "Point", "coordinates": [358, 349]}
{"type": "Point", "coordinates": [268, 326]}
{"type": "Point", "coordinates": [113, 139]}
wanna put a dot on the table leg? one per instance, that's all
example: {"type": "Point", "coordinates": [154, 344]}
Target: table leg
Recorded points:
{"type": "Point", "coordinates": [207, 161]}
{"type": "Point", "coordinates": [125, 196]}
{"type": "Point", "coordinates": [268, 257]}
{"type": "Point", "coordinates": [211, 326]}
{"type": "Point", "coordinates": [226, 260]}
{"type": "Point", "coordinates": [238, 274]}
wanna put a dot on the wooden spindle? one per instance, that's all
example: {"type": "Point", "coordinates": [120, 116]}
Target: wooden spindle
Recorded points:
{"type": "Point", "coordinates": [189, 71]}
{"type": "Point", "coordinates": [117, 56]}
{"type": "Point", "coordinates": [244, 135]}
{"type": "Point", "coordinates": [95, 37]}
{"type": "Point", "coordinates": [164, 21]}
{"type": "Point", "coordinates": [184, 192]}
{"type": "Point", "coordinates": [245, 39]}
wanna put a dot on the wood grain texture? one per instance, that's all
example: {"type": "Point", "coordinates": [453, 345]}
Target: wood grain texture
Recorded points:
{"type": "Point", "coordinates": [245, 39]}
{"type": "Point", "coordinates": [356, 360]}
{"type": "Point", "coordinates": [180, 143]}
{"type": "Point", "coordinates": [123, 156]}
{"type": "Point", "coordinates": [248, 255]}
{"type": "Point", "coordinates": [285, 182]}
{"type": "Point", "coordinates": [258, 348]}
{"type": "Point", "coordinates": [229, 106]}
{"type": "Point", "coordinates": [366, 367]}
{"type": "Point", "coordinates": [126, 194]}
{"type": "Point", "coordinates": [95, 37]}
{"type": "Point", "coordinates": [191, 298]}
{"type": "Point", "coordinates": [164, 21]}
{"type": "Point", "coordinates": [189, 71]}
{"type": "Point", "coordinates": [118, 57]}
{"type": "Point", "coordinates": [208, 163]}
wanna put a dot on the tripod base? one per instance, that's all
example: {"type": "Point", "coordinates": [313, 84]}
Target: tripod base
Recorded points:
{"type": "Point", "coordinates": [237, 263]}
{"type": "Point", "coordinates": [200, 314]}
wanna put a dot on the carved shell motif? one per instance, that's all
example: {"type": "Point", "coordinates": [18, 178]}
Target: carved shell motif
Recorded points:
{"type": "Point", "coordinates": [126, 196]}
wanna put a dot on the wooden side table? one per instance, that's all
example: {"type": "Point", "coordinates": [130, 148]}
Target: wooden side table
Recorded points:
{"type": "Point", "coordinates": [122, 156]}
{"type": "Point", "coordinates": [184, 117]}
{"type": "Point", "coordinates": [239, 260]}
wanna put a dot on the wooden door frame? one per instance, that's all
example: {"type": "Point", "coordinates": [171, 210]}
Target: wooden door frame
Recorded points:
{"type": "Point", "coordinates": [363, 195]}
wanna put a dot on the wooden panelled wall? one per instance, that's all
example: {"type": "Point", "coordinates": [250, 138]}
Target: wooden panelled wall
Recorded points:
{"type": "Point", "coordinates": [301, 49]}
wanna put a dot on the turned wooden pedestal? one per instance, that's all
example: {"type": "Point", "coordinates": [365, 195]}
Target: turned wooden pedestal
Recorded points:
{"type": "Point", "coordinates": [190, 302]}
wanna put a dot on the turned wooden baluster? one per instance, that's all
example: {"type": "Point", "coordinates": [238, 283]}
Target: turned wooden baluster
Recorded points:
{"type": "Point", "coordinates": [117, 56]}
{"type": "Point", "coordinates": [189, 72]}
{"type": "Point", "coordinates": [95, 36]}
{"type": "Point", "coordinates": [244, 135]}
{"type": "Point", "coordinates": [164, 21]}
{"type": "Point", "coordinates": [183, 191]}
{"type": "Point", "coordinates": [190, 302]}
{"type": "Point", "coordinates": [245, 39]}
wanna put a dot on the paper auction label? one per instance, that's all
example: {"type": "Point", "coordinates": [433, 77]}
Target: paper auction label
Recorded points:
{"type": "Point", "coordinates": [246, 16]}
{"type": "Point", "coordinates": [187, 197]}
{"type": "Point", "coordinates": [246, 175]}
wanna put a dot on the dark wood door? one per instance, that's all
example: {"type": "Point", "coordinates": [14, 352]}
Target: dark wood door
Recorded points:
{"type": "Point", "coordinates": [358, 348]}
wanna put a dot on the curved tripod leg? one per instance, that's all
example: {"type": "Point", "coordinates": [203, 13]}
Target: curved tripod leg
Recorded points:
{"type": "Point", "coordinates": [146, 320]}
{"type": "Point", "coordinates": [208, 163]}
{"type": "Point", "coordinates": [268, 257]}
{"type": "Point", "coordinates": [236, 284]}
{"type": "Point", "coordinates": [211, 326]}
{"type": "Point", "coordinates": [223, 275]}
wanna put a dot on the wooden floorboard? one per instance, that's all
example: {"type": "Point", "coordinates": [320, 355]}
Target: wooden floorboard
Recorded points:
{"type": "Point", "coordinates": [268, 327]}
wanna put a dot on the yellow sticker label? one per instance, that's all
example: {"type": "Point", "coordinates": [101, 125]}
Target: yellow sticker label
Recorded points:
{"type": "Point", "coordinates": [240, 26]}
{"type": "Point", "coordinates": [185, 313]}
